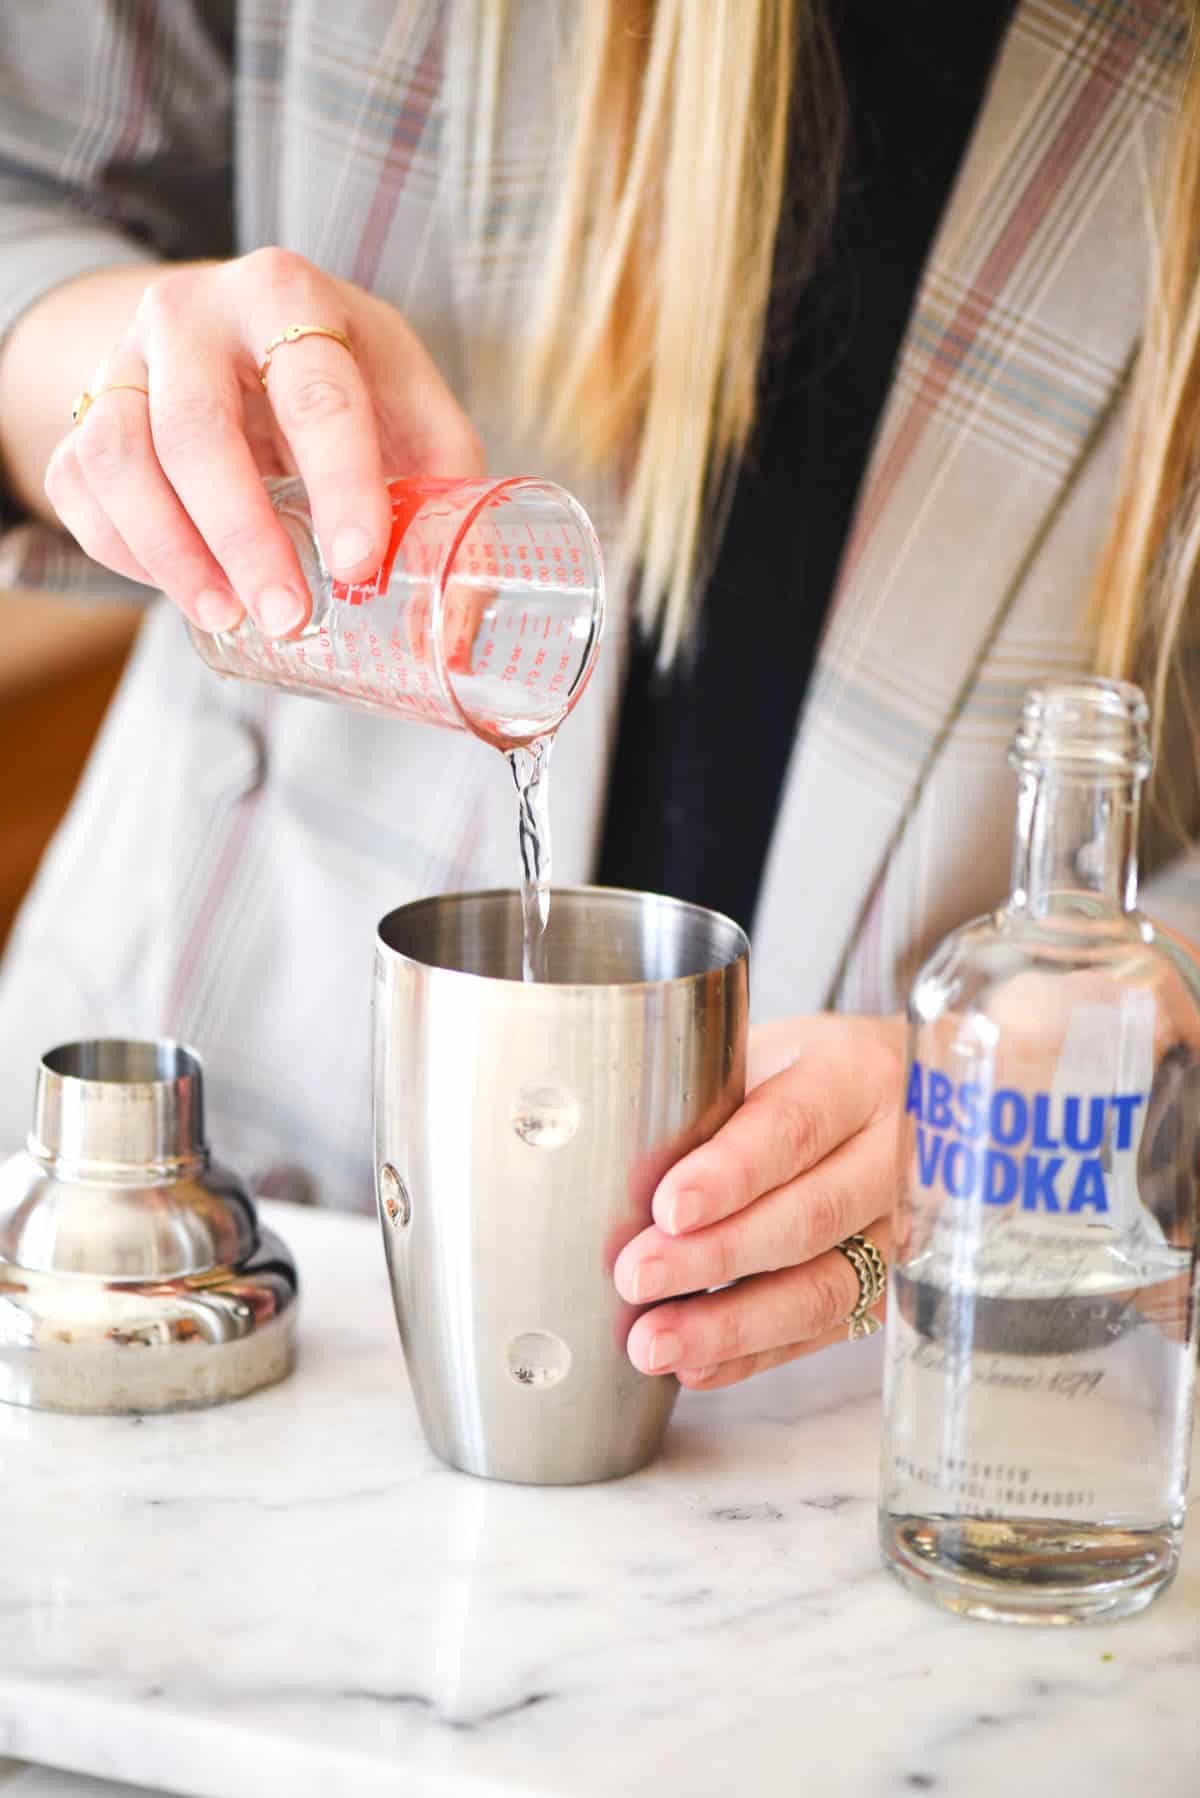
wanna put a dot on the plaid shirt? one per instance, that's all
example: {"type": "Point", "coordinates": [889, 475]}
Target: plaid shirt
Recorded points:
{"type": "Point", "coordinates": [229, 852]}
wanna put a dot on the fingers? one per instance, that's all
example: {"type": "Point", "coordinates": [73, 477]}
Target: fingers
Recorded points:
{"type": "Point", "coordinates": [731, 1373]}
{"type": "Point", "coordinates": [833, 1089]}
{"type": "Point", "coordinates": [327, 419]}
{"type": "Point", "coordinates": [324, 409]}
{"type": "Point", "coordinates": [84, 518]}
{"type": "Point", "coordinates": [114, 453]}
{"type": "Point", "coordinates": [722, 1336]}
{"type": "Point", "coordinates": [171, 491]}
{"type": "Point", "coordinates": [200, 443]}
{"type": "Point", "coordinates": [799, 1220]}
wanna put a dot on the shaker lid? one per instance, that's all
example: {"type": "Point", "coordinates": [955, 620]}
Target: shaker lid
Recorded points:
{"type": "Point", "coordinates": [116, 1103]}
{"type": "Point", "coordinates": [118, 1233]}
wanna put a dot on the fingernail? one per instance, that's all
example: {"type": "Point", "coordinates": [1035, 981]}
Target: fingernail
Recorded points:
{"type": "Point", "coordinates": [279, 610]}
{"type": "Point", "coordinates": [216, 610]}
{"type": "Point", "coordinates": [684, 1211]}
{"type": "Point", "coordinates": [649, 1280]}
{"type": "Point", "coordinates": [665, 1350]}
{"type": "Point", "coordinates": [350, 546]}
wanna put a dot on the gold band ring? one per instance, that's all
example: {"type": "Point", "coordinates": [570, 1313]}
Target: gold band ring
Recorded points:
{"type": "Point", "coordinates": [86, 401]}
{"type": "Point", "coordinates": [293, 334]}
{"type": "Point", "coordinates": [870, 1270]}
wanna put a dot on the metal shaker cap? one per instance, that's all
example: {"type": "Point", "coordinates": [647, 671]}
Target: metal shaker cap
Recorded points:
{"type": "Point", "coordinates": [134, 1275]}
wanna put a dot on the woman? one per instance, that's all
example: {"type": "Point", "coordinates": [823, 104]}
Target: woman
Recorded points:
{"type": "Point", "coordinates": [549, 235]}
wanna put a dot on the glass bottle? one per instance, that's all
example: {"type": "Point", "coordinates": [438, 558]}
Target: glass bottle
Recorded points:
{"type": "Point", "coordinates": [1041, 1332]}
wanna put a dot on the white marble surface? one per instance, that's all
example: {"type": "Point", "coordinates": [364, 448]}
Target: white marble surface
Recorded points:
{"type": "Point", "coordinates": [290, 1596]}
{"type": "Point", "coordinates": [19, 1780]}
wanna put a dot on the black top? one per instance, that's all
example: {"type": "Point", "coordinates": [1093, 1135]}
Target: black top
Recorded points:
{"type": "Point", "coordinates": [701, 753]}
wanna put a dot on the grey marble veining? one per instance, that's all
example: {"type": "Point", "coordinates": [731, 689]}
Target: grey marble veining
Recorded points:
{"type": "Point", "coordinates": [288, 1595]}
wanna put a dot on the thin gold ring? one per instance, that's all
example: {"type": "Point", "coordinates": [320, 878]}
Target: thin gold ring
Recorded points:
{"type": "Point", "coordinates": [870, 1270]}
{"type": "Point", "coordinates": [293, 334]}
{"type": "Point", "coordinates": [86, 401]}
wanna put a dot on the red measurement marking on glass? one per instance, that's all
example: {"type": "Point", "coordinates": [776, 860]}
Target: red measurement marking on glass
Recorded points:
{"type": "Point", "coordinates": [327, 646]}
{"type": "Point", "coordinates": [418, 631]}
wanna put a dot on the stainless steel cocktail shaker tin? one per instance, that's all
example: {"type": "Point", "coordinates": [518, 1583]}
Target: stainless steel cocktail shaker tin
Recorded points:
{"type": "Point", "coordinates": [134, 1275]}
{"type": "Point", "coordinates": [520, 1132]}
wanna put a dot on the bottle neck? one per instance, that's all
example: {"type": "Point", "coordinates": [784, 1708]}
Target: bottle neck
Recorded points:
{"type": "Point", "coordinates": [1076, 842]}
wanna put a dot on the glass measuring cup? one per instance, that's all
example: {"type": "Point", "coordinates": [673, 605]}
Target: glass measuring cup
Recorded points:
{"type": "Point", "coordinates": [485, 614]}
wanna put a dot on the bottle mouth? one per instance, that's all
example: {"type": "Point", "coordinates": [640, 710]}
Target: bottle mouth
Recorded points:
{"type": "Point", "coordinates": [1087, 727]}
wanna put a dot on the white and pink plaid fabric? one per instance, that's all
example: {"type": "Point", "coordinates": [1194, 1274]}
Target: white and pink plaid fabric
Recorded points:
{"type": "Point", "coordinates": [228, 854]}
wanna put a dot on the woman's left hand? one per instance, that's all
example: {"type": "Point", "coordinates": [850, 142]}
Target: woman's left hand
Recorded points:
{"type": "Point", "coordinates": [809, 1159]}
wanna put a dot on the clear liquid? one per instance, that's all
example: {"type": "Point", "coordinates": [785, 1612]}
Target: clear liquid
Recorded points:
{"type": "Point", "coordinates": [1036, 1466]}
{"type": "Point", "coordinates": [531, 776]}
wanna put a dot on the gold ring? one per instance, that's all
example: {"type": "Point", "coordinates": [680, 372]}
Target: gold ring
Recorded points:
{"type": "Point", "coordinates": [86, 401]}
{"type": "Point", "coordinates": [870, 1270]}
{"type": "Point", "coordinates": [293, 334]}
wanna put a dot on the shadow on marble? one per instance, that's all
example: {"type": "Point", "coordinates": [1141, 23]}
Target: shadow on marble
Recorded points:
{"type": "Point", "coordinates": [18, 1779]}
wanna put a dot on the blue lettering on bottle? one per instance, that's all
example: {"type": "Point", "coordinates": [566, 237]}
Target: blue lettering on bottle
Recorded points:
{"type": "Point", "coordinates": [1042, 1136]}
{"type": "Point", "coordinates": [952, 1119]}
{"type": "Point", "coordinates": [1001, 1178]}
{"type": "Point", "coordinates": [1008, 1117]}
{"type": "Point", "coordinates": [1038, 1188]}
{"type": "Point", "coordinates": [972, 1122]}
{"type": "Point", "coordinates": [1125, 1104]}
{"type": "Point", "coordinates": [939, 1113]}
{"type": "Point", "coordinates": [1089, 1187]}
{"type": "Point", "coordinates": [959, 1170]}
{"type": "Point", "coordinates": [912, 1102]}
{"type": "Point", "coordinates": [929, 1155]}
{"type": "Point", "coordinates": [1073, 1137]}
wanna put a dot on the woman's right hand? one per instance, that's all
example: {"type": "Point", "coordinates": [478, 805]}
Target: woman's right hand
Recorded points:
{"type": "Point", "coordinates": [168, 489]}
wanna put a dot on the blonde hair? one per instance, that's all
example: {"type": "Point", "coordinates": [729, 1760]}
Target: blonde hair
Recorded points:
{"type": "Point", "coordinates": [648, 333]}
{"type": "Point", "coordinates": [649, 329]}
{"type": "Point", "coordinates": [1142, 599]}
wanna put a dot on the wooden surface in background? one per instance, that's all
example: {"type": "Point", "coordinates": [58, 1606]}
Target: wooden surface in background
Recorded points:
{"type": "Point", "coordinates": [59, 666]}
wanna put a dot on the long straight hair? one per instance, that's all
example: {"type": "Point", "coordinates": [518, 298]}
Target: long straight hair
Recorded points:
{"type": "Point", "coordinates": [646, 341]}
{"type": "Point", "coordinates": [1144, 599]}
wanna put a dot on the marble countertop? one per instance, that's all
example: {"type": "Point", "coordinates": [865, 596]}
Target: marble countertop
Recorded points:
{"type": "Point", "coordinates": [290, 1596]}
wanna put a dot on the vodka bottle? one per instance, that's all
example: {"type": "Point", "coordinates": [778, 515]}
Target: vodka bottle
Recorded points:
{"type": "Point", "coordinates": [1041, 1332]}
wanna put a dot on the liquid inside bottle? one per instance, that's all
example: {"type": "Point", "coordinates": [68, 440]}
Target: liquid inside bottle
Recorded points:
{"type": "Point", "coordinates": [1041, 1343]}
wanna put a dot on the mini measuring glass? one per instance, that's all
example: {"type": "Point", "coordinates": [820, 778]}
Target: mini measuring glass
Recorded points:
{"type": "Point", "coordinates": [485, 614]}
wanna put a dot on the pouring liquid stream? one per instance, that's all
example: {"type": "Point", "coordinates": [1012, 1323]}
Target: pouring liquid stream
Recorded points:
{"type": "Point", "coordinates": [530, 771]}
